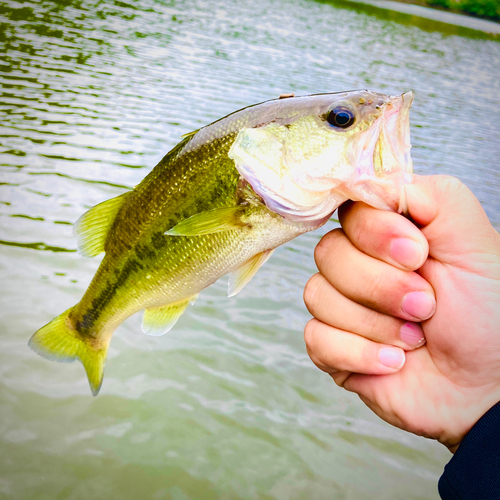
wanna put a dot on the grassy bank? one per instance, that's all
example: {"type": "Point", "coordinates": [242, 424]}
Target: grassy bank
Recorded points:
{"type": "Point", "coordinates": [487, 9]}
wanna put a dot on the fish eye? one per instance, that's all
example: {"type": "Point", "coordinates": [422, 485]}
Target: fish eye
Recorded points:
{"type": "Point", "coordinates": [341, 117]}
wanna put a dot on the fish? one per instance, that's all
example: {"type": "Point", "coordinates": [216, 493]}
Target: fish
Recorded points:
{"type": "Point", "coordinates": [220, 202]}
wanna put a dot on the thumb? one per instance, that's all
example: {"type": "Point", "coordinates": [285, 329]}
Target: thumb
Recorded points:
{"type": "Point", "coordinates": [452, 220]}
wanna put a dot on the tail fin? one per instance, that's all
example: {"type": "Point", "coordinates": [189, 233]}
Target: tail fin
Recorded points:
{"type": "Point", "coordinates": [59, 342]}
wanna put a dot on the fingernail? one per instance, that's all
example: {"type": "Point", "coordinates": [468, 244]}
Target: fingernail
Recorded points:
{"type": "Point", "coordinates": [391, 357]}
{"type": "Point", "coordinates": [406, 252]}
{"type": "Point", "coordinates": [412, 334]}
{"type": "Point", "coordinates": [420, 305]}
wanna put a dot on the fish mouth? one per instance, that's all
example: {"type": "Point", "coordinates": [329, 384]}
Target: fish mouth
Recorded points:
{"type": "Point", "coordinates": [396, 132]}
{"type": "Point", "coordinates": [381, 157]}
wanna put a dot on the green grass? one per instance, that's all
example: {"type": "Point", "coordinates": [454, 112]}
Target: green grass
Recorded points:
{"type": "Point", "coordinates": [482, 8]}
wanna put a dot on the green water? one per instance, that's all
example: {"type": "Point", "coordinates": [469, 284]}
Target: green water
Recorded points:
{"type": "Point", "coordinates": [228, 404]}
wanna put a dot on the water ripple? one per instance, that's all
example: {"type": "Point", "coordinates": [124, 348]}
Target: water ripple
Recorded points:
{"type": "Point", "coordinates": [228, 405]}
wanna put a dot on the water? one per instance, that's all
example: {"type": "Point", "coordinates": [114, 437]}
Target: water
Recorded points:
{"type": "Point", "coordinates": [228, 405]}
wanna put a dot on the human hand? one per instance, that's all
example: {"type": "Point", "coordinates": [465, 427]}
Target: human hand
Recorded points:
{"type": "Point", "coordinates": [385, 284]}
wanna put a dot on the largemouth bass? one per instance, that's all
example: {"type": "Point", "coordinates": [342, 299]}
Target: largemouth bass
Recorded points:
{"type": "Point", "coordinates": [220, 202]}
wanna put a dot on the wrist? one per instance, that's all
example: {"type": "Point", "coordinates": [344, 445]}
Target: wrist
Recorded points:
{"type": "Point", "coordinates": [463, 412]}
{"type": "Point", "coordinates": [473, 470]}
{"type": "Point", "coordinates": [470, 420]}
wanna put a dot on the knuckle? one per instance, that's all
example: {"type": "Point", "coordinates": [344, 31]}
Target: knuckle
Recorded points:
{"type": "Point", "coordinates": [373, 288]}
{"type": "Point", "coordinates": [311, 292]}
{"type": "Point", "coordinates": [341, 377]}
{"type": "Point", "coordinates": [369, 321]}
{"type": "Point", "coordinates": [447, 183]}
{"type": "Point", "coordinates": [345, 210]}
{"type": "Point", "coordinates": [327, 246]}
{"type": "Point", "coordinates": [309, 335]}
{"type": "Point", "coordinates": [360, 227]}
{"type": "Point", "coordinates": [366, 359]}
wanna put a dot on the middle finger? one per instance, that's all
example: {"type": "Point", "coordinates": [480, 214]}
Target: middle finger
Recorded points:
{"type": "Point", "coordinates": [329, 306]}
{"type": "Point", "coordinates": [371, 282]}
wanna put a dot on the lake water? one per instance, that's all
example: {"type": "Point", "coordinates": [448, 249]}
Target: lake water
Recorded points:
{"type": "Point", "coordinates": [228, 404]}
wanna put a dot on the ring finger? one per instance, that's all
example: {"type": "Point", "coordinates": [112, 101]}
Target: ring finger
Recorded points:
{"type": "Point", "coordinates": [329, 306]}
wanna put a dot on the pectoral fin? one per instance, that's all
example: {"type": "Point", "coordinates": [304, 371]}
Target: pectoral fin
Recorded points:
{"type": "Point", "coordinates": [239, 278]}
{"type": "Point", "coordinates": [92, 228]}
{"type": "Point", "coordinates": [159, 320]}
{"type": "Point", "coordinates": [211, 221]}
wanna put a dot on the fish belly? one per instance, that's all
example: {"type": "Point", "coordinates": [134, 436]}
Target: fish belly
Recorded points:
{"type": "Point", "coordinates": [178, 269]}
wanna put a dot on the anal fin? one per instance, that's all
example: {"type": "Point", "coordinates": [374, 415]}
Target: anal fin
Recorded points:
{"type": "Point", "coordinates": [159, 320]}
{"type": "Point", "coordinates": [92, 228]}
{"type": "Point", "coordinates": [239, 278]}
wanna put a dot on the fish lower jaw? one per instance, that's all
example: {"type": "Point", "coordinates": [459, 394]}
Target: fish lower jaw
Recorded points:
{"type": "Point", "coordinates": [310, 217]}
{"type": "Point", "coordinates": [311, 225]}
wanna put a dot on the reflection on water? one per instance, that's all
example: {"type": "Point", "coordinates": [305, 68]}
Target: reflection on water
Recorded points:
{"type": "Point", "coordinates": [227, 405]}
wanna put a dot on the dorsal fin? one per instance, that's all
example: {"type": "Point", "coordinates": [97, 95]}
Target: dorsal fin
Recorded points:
{"type": "Point", "coordinates": [93, 226]}
{"type": "Point", "coordinates": [190, 134]}
{"type": "Point", "coordinates": [159, 320]}
{"type": "Point", "coordinates": [239, 278]}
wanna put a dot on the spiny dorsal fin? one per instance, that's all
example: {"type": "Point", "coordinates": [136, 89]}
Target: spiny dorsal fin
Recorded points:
{"type": "Point", "coordinates": [239, 278]}
{"type": "Point", "coordinates": [159, 320]}
{"type": "Point", "coordinates": [211, 221]}
{"type": "Point", "coordinates": [93, 226]}
{"type": "Point", "coordinates": [190, 134]}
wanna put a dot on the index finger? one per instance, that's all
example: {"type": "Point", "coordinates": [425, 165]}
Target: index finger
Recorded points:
{"type": "Point", "coordinates": [387, 236]}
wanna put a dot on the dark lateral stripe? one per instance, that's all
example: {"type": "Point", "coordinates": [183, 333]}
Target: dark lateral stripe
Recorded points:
{"type": "Point", "coordinates": [105, 297]}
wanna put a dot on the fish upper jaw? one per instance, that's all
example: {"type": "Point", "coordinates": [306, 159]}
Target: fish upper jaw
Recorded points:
{"type": "Point", "coordinates": [396, 131]}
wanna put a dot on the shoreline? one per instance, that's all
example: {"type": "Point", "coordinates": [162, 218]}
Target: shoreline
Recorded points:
{"type": "Point", "coordinates": [421, 9]}
{"type": "Point", "coordinates": [429, 5]}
